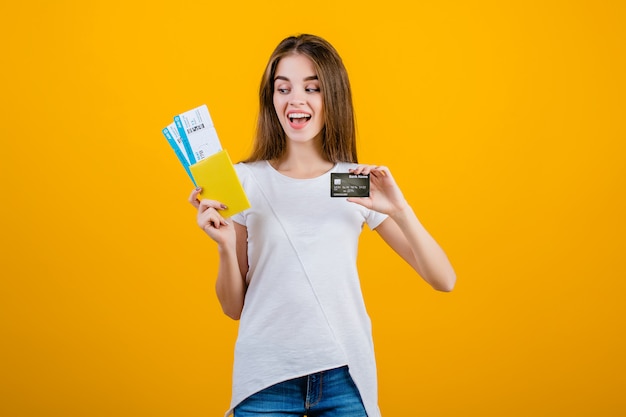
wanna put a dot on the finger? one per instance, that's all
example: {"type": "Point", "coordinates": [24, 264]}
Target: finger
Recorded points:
{"type": "Point", "coordinates": [211, 218]}
{"type": "Point", "coordinates": [193, 197]}
{"type": "Point", "coordinates": [362, 169]}
{"type": "Point", "coordinates": [218, 221]}
{"type": "Point", "coordinates": [205, 204]}
{"type": "Point", "coordinates": [356, 170]}
{"type": "Point", "coordinates": [382, 171]}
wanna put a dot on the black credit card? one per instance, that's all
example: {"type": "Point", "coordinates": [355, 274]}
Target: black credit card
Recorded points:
{"type": "Point", "coordinates": [349, 185]}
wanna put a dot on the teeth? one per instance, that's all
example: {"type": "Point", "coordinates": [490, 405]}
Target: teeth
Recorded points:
{"type": "Point", "coordinates": [299, 116]}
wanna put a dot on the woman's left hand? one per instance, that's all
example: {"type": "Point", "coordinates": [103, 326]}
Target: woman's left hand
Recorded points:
{"type": "Point", "coordinates": [385, 195]}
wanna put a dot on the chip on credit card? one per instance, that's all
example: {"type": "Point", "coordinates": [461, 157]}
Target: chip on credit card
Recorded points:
{"type": "Point", "coordinates": [349, 185]}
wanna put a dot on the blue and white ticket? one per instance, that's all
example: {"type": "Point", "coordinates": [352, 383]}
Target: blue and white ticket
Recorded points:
{"type": "Point", "coordinates": [175, 141]}
{"type": "Point", "coordinates": [197, 134]}
{"type": "Point", "coordinates": [173, 137]}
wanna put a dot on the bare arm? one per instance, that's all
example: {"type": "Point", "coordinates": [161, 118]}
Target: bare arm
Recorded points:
{"type": "Point", "coordinates": [406, 236]}
{"type": "Point", "coordinates": [231, 239]}
{"type": "Point", "coordinates": [403, 232]}
{"type": "Point", "coordinates": [230, 285]}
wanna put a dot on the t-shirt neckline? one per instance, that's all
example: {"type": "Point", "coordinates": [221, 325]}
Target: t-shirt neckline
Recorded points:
{"type": "Point", "coordinates": [287, 177]}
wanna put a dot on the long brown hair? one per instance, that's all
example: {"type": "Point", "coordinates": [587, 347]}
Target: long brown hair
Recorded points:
{"type": "Point", "coordinates": [339, 132]}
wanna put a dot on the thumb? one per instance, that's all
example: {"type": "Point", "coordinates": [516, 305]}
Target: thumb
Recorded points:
{"type": "Point", "coordinates": [362, 201]}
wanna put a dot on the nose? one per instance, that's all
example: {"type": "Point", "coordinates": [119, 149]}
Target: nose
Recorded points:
{"type": "Point", "coordinates": [297, 98]}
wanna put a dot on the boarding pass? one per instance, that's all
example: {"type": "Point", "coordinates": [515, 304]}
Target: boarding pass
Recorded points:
{"type": "Point", "coordinates": [197, 133]}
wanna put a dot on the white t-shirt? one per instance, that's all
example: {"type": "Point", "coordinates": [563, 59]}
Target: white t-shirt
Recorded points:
{"type": "Point", "coordinates": [304, 310]}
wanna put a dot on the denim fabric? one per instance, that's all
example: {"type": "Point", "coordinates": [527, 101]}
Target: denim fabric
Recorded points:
{"type": "Point", "coordinates": [329, 393]}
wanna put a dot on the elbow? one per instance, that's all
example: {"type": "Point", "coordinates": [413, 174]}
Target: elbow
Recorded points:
{"type": "Point", "coordinates": [444, 288]}
{"type": "Point", "coordinates": [235, 317]}
{"type": "Point", "coordinates": [232, 309]}
{"type": "Point", "coordinates": [231, 303]}
{"type": "Point", "coordinates": [445, 284]}
{"type": "Point", "coordinates": [233, 314]}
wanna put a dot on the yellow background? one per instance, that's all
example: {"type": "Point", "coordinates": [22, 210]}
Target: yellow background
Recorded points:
{"type": "Point", "coordinates": [502, 121]}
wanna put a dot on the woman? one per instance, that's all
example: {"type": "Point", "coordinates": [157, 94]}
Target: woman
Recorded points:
{"type": "Point", "coordinates": [288, 264]}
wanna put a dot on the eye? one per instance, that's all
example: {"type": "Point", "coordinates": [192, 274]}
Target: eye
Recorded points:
{"type": "Point", "coordinates": [282, 90]}
{"type": "Point", "coordinates": [312, 88]}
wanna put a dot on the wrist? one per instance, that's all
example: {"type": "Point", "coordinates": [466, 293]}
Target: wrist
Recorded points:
{"type": "Point", "coordinates": [404, 216]}
{"type": "Point", "coordinates": [401, 210]}
{"type": "Point", "coordinates": [226, 248]}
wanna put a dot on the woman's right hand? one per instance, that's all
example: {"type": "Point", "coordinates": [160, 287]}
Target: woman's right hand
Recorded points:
{"type": "Point", "coordinates": [209, 219]}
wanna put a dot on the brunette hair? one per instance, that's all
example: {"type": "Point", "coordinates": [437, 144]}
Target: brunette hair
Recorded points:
{"type": "Point", "coordinates": [339, 132]}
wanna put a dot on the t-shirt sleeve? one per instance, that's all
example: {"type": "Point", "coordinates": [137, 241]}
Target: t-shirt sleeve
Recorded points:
{"type": "Point", "coordinates": [242, 173]}
{"type": "Point", "coordinates": [374, 219]}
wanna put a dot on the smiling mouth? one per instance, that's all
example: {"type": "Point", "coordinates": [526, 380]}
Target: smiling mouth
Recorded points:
{"type": "Point", "coordinates": [299, 118]}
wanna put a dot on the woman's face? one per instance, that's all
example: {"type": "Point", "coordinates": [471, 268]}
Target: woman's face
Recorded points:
{"type": "Point", "coordinates": [297, 98]}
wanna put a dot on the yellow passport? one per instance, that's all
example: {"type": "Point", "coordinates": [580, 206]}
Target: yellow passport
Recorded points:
{"type": "Point", "coordinates": [218, 179]}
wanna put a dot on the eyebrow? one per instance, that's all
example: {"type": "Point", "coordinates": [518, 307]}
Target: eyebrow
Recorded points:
{"type": "Point", "coordinates": [309, 78]}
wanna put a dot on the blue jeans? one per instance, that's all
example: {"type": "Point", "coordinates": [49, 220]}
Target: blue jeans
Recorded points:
{"type": "Point", "coordinates": [329, 393]}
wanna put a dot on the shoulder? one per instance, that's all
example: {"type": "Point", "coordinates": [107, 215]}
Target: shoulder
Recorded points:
{"type": "Point", "coordinates": [245, 169]}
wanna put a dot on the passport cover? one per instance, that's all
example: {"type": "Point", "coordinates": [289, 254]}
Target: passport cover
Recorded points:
{"type": "Point", "coordinates": [219, 181]}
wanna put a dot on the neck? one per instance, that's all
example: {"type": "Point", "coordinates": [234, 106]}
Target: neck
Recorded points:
{"type": "Point", "coordinates": [302, 160]}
